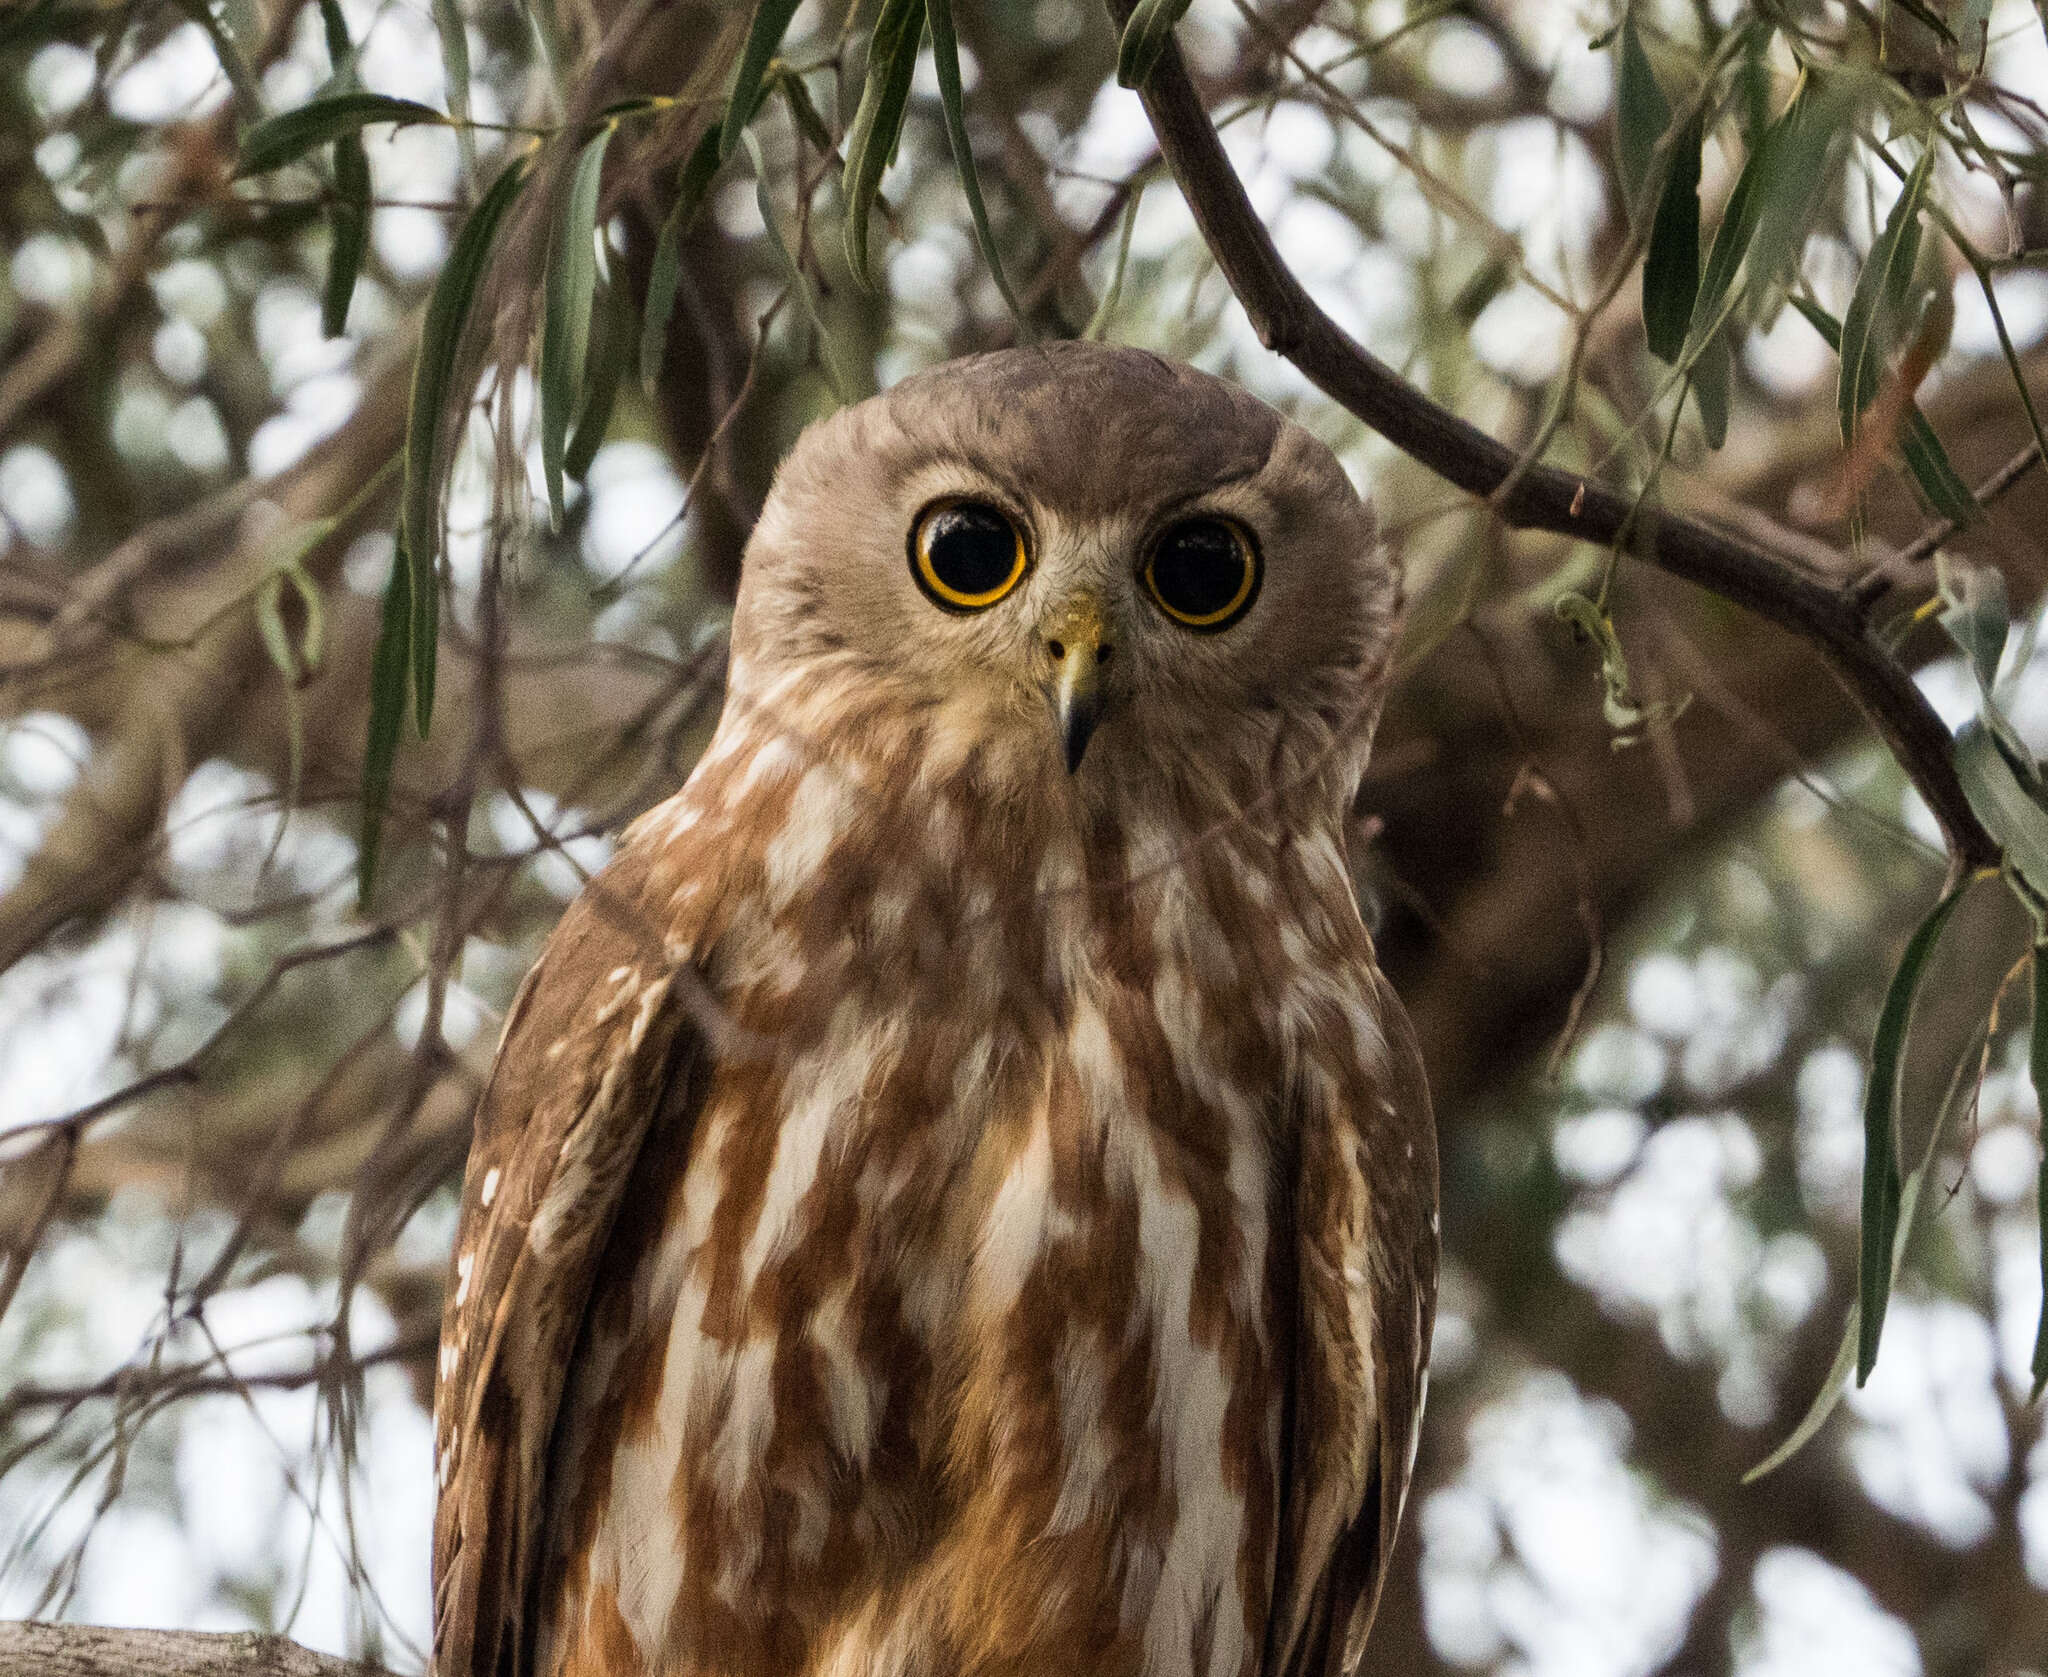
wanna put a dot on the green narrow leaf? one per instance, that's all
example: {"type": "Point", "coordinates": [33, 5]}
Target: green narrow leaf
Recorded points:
{"type": "Point", "coordinates": [433, 376]}
{"type": "Point", "coordinates": [277, 640]}
{"type": "Point", "coordinates": [1641, 114]}
{"type": "Point", "coordinates": [426, 642]}
{"type": "Point", "coordinates": [800, 288]}
{"type": "Point", "coordinates": [1671, 269]}
{"type": "Point", "coordinates": [1105, 311]}
{"type": "Point", "coordinates": [1731, 238]}
{"type": "Point", "coordinates": [609, 352]}
{"type": "Point", "coordinates": [804, 112]}
{"type": "Point", "coordinates": [313, 642]}
{"type": "Point", "coordinates": [571, 284]}
{"type": "Point", "coordinates": [2037, 1067]}
{"type": "Point", "coordinates": [454, 33]}
{"type": "Point", "coordinates": [348, 222]}
{"type": "Point", "coordinates": [1144, 39]}
{"type": "Point", "coordinates": [1919, 444]}
{"type": "Point", "coordinates": [341, 51]}
{"type": "Point", "coordinates": [750, 80]}
{"type": "Point", "coordinates": [1932, 470]}
{"type": "Point", "coordinates": [1823, 1405]}
{"type": "Point", "coordinates": [877, 124]}
{"type": "Point", "coordinates": [1712, 374]}
{"type": "Point", "coordinates": [279, 140]}
{"type": "Point", "coordinates": [692, 188]}
{"type": "Point", "coordinates": [390, 669]}
{"type": "Point", "coordinates": [1977, 614]}
{"type": "Point", "coordinates": [946, 61]}
{"type": "Point", "coordinates": [1836, 1380]}
{"type": "Point", "coordinates": [1796, 168]}
{"type": "Point", "coordinates": [1886, 270]}
{"type": "Point", "coordinates": [220, 27]}
{"type": "Point", "coordinates": [1999, 794]}
{"type": "Point", "coordinates": [1881, 1183]}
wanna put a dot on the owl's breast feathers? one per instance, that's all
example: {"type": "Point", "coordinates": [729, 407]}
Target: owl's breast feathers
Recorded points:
{"type": "Point", "coordinates": [913, 1233]}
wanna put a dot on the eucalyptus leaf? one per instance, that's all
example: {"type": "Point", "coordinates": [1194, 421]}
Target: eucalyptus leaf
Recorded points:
{"type": "Point", "coordinates": [2037, 1070]}
{"type": "Point", "coordinates": [1825, 1401]}
{"type": "Point", "coordinates": [569, 287]}
{"type": "Point", "coordinates": [665, 273]}
{"type": "Point", "coordinates": [1977, 615]}
{"type": "Point", "coordinates": [610, 349]}
{"type": "Point", "coordinates": [1671, 269]}
{"type": "Point", "coordinates": [348, 222]}
{"type": "Point", "coordinates": [1641, 114]}
{"type": "Point", "coordinates": [1882, 1202]}
{"type": "Point", "coordinates": [1885, 271]}
{"type": "Point", "coordinates": [1836, 1381]}
{"type": "Point", "coordinates": [1796, 166]}
{"type": "Point", "coordinates": [1105, 310]}
{"type": "Point", "coordinates": [2010, 811]}
{"type": "Point", "coordinates": [1738, 226]}
{"type": "Point", "coordinates": [433, 378]}
{"type": "Point", "coordinates": [1919, 444]}
{"type": "Point", "coordinates": [390, 672]}
{"type": "Point", "coordinates": [749, 82]}
{"type": "Point", "coordinates": [1144, 39]}
{"type": "Point", "coordinates": [878, 123]}
{"type": "Point", "coordinates": [1932, 470]}
{"type": "Point", "coordinates": [454, 33]}
{"type": "Point", "coordinates": [946, 61]}
{"type": "Point", "coordinates": [799, 286]}
{"type": "Point", "coordinates": [279, 140]}
{"type": "Point", "coordinates": [1712, 375]}
{"type": "Point", "coordinates": [348, 218]}
{"type": "Point", "coordinates": [341, 52]}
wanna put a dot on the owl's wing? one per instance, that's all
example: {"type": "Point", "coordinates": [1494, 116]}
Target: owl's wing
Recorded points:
{"type": "Point", "coordinates": [600, 1036]}
{"type": "Point", "coordinates": [1365, 1233]}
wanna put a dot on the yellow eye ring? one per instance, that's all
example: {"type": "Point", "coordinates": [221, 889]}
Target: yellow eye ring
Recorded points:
{"type": "Point", "coordinates": [1204, 572]}
{"type": "Point", "coordinates": [967, 555]}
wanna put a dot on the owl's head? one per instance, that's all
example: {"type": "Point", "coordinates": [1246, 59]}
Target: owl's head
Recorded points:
{"type": "Point", "coordinates": [1073, 561]}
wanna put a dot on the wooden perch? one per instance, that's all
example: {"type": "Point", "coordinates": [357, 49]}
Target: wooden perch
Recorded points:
{"type": "Point", "coordinates": [40, 1650]}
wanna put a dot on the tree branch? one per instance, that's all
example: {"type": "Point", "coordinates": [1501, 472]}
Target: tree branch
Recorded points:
{"type": "Point", "coordinates": [40, 1650]}
{"type": "Point", "coordinates": [1538, 497]}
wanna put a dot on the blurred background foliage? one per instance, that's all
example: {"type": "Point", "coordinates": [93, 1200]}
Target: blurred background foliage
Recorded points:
{"type": "Point", "coordinates": [1645, 930]}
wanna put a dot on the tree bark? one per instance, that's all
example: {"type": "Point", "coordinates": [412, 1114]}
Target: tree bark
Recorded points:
{"type": "Point", "coordinates": [43, 1650]}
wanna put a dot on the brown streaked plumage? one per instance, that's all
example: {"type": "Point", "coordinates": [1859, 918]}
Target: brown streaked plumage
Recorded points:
{"type": "Point", "coordinates": [937, 1214]}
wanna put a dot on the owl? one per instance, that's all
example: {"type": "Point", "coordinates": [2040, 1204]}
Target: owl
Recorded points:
{"type": "Point", "coordinates": [956, 1197]}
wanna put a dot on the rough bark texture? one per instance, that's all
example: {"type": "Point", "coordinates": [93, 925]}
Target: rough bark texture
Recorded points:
{"type": "Point", "coordinates": [39, 1650]}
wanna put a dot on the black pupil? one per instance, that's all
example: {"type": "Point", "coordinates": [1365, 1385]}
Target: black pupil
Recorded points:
{"type": "Point", "coordinates": [1199, 568]}
{"type": "Point", "coordinates": [971, 549]}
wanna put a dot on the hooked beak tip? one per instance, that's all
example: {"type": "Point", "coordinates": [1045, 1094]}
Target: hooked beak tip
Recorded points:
{"type": "Point", "coordinates": [1079, 713]}
{"type": "Point", "coordinates": [1080, 647]}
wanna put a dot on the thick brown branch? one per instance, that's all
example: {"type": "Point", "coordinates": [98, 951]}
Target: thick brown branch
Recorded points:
{"type": "Point", "coordinates": [1538, 497]}
{"type": "Point", "coordinates": [39, 1650]}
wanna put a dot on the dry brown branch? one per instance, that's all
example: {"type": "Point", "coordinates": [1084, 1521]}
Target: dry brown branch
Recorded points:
{"type": "Point", "coordinates": [1289, 322]}
{"type": "Point", "coordinates": [180, 701]}
{"type": "Point", "coordinates": [42, 1650]}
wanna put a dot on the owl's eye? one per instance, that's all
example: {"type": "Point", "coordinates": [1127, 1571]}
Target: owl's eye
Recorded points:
{"type": "Point", "coordinates": [966, 555]}
{"type": "Point", "coordinates": [1203, 573]}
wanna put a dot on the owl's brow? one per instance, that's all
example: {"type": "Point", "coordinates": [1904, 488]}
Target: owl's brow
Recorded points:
{"type": "Point", "coordinates": [1019, 498]}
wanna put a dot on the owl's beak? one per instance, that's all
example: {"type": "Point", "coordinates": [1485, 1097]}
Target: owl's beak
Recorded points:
{"type": "Point", "coordinates": [1078, 639]}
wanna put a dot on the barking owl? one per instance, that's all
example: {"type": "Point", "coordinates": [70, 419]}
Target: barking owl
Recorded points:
{"type": "Point", "coordinates": [956, 1196]}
